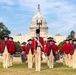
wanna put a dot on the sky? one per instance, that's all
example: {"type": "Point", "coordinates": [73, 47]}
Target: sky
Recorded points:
{"type": "Point", "coordinates": [60, 15]}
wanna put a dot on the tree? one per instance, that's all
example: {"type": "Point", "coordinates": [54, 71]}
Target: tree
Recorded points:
{"type": "Point", "coordinates": [17, 44]}
{"type": "Point", "coordinates": [72, 34]}
{"type": "Point", "coordinates": [60, 45]}
{"type": "Point", "coordinates": [0, 40]}
{"type": "Point", "coordinates": [3, 30]}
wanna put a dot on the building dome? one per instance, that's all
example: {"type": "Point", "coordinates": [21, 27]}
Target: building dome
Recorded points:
{"type": "Point", "coordinates": [38, 15]}
{"type": "Point", "coordinates": [34, 26]}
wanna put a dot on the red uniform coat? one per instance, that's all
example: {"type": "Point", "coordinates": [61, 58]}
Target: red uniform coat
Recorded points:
{"type": "Point", "coordinates": [34, 43]}
{"type": "Point", "coordinates": [12, 47]}
{"type": "Point", "coordinates": [27, 49]}
{"type": "Point", "coordinates": [0, 48]}
{"type": "Point", "coordinates": [3, 46]}
{"type": "Point", "coordinates": [47, 49]}
{"type": "Point", "coordinates": [62, 49]}
{"type": "Point", "coordinates": [71, 49]}
{"type": "Point", "coordinates": [66, 48]}
{"type": "Point", "coordinates": [22, 49]}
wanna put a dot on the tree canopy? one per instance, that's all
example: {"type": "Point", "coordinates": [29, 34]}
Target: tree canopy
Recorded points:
{"type": "Point", "coordinates": [3, 30]}
{"type": "Point", "coordinates": [60, 45]}
{"type": "Point", "coordinates": [72, 34]}
{"type": "Point", "coordinates": [17, 44]}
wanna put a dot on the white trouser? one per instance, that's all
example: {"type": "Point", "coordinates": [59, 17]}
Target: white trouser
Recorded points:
{"type": "Point", "coordinates": [74, 59]}
{"type": "Point", "coordinates": [70, 60]}
{"type": "Point", "coordinates": [6, 57]}
{"type": "Point", "coordinates": [64, 59]}
{"type": "Point", "coordinates": [38, 59]}
{"type": "Point", "coordinates": [11, 60]}
{"type": "Point", "coordinates": [30, 59]}
{"type": "Point", "coordinates": [47, 60]}
{"type": "Point", "coordinates": [51, 60]}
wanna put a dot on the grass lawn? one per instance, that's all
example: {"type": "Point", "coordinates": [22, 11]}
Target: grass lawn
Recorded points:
{"type": "Point", "coordinates": [19, 69]}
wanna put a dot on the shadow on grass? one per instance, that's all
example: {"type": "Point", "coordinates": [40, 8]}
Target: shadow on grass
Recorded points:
{"type": "Point", "coordinates": [19, 65]}
{"type": "Point", "coordinates": [60, 65]}
{"type": "Point", "coordinates": [1, 65]}
{"type": "Point", "coordinates": [56, 66]}
{"type": "Point", "coordinates": [44, 66]}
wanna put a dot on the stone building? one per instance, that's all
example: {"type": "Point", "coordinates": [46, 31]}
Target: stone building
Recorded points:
{"type": "Point", "coordinates": [43, 30]}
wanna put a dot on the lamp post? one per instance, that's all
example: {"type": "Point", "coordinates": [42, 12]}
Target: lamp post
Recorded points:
{"type": "Point", "coordinates": [39, 21]}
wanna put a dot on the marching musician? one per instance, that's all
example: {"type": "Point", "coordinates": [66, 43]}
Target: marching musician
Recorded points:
{"type": "Point", "coordinates": [5, 50]}
{"type": "Point", "coordinates": [30, 53]}
{"type": "Point", "coordinates": [74, 54]}
{"type": "Point", "coordinates": [51, 50]}
{"type": "Point", "coordinates": [38, 46]}
{"type": "Point", "coordinates": [23, 52]}
{"type": "Point", "coordinates": [13, 50]}
{"type": "Point", "coordinates": [71, 50]}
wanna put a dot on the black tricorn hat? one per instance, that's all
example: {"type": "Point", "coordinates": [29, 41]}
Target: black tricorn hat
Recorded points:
{"type": "Point", "coordinates": [66, 39]}
{"type": "Point", "coordinates": [63, 42]}
{"type": "Point", "coordinates": [29, 40]}
{"type": "Point", "coordinates": [37, 31]}
{"type": "Point", "coordinates": [24, 43]}
{"type": "Point", "coordinates": [50, 38]}
{"type": "Point", "coordinates": [10, 37]}
{"type": "Point", "coordinates": [74, 39]}
{"type": "Point", "coordinates": [54, 41]}
{"type": "Point", "coordinates": [70, 39]}
{"type": "Point", "coordinates": [5, 36]}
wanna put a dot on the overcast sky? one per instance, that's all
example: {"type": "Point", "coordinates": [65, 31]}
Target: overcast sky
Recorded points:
{"type": "Point", "coordinates": [59, 14]}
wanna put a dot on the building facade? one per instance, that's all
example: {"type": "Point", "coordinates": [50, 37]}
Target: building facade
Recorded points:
{"type": "Point", "coordinates": [43, 30]}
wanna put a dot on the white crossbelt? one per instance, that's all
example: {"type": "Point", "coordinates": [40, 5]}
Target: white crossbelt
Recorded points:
{"type": "Point", "coordinates": [38, 42]}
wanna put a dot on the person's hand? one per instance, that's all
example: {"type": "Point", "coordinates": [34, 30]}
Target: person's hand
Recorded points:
{"type": "Point", "coordinates": [34, 55]}
{"type": "Point", "coordinates": [22, 52]}
{"type": "Point", "coordinates": [2, 54]}
{"type": "Point", "coordinates": [45, 54]}
{"type": "Point", "coordinates": [71, 56]}
{"type": "Point", "coordinates": [35, 51]}
{"type": "Point", "coordinates": [10, 55]}
{"type": "Point", "coordinates": [27, 55]}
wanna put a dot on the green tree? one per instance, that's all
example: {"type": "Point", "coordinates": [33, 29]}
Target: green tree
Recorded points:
{"type": "Point", "coordinates": [60, 45]}
{"type": "Point", "coordinates": [17, 44]}
{"type": "Point", "coordinates": [72, 34]}
{"type": "Point", "coordinates": [3, 30]}
{"type": "Point", "coordinates": [0, 40]}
